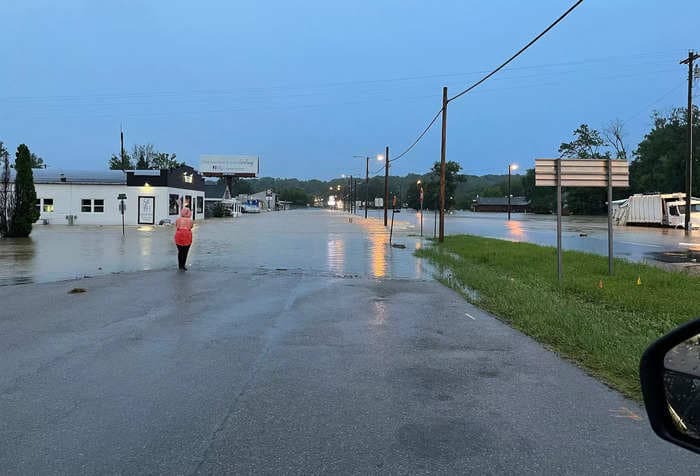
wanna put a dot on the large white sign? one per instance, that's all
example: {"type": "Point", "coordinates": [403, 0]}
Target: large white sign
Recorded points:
{"type": "Point", "coordinates": [229, 165]}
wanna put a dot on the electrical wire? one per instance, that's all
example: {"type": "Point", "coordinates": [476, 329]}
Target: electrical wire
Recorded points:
{"type": "Point", "coordinates": [655, 101]}
{"type": "Point", "coordinates": [482, 80]}
{"type": "Point", "coordinates": [425, 131]}
{"type": "Point", "coordinates": [522, 50]}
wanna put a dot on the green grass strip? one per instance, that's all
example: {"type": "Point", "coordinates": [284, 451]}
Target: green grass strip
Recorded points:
{"type": "Point", "coordinates": [604, 330]}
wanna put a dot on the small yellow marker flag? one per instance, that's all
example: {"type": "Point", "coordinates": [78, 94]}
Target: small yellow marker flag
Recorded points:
{"type": "Point", "coordinates": [600, 284]}
{"type": "Point", "coordinates": [639, 281]}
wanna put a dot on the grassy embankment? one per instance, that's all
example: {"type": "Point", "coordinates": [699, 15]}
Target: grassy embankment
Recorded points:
{"type": "Point", "coordinates": [604, 330]}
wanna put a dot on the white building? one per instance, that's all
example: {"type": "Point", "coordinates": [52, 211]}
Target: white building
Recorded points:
{"type": "Point", "coordinates": [92, 198]}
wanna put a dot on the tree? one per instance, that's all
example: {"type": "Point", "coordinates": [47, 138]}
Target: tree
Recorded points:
{"type": "Point", "coordinates": [295, 195]}
{"type": "Point", "coordinates": [660, 159]}
{"type": "Point", "coordinates": [7, 202]}
{"type": "Point", "coordinates": [25, 212]}
{"type": "Point", "coordinates": [37, 162]}
{"type": "Point", "coordinates": [163, 160]}
{"type": "Point", "coordinates": [614, 135]}
{"type": "Point", "coordinates": [144, 157]}
{"type": "Point", "coordinates": [542, 199]}
{"type": "Point", "coordinates": [431, 186]}
{"type": "Point", "coordinates": [121, 163]}
{"type": "Point", "coordinates": [586, 145]}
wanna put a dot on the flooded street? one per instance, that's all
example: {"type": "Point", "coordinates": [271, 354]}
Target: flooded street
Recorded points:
{"type": "Point", "coordinates": [582, 233]}
{"type": "Point", "coordinates": [312, 240]}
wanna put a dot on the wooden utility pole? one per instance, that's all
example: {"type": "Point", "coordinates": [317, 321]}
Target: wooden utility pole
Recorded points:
{"type": "Point", "coordinates": [386, 184]}
{"type": "Point", "coordinates": [441, 237]}
{"type": "Point", "coordinates": [689, 165]}
{"type": "Point", "coordinates": [121, 136]}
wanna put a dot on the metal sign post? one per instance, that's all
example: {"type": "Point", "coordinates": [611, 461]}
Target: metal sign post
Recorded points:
{"type": "Point", "coordinates": [122, 208]}
{"type": "Point", "coordinates": [560, 272]}
{"type": "Point", "coordinates": [610, 222]}
{"type": "Point", "coordinates": [582, 173]}
{"type": "Point", "coordinates": [420, 197]}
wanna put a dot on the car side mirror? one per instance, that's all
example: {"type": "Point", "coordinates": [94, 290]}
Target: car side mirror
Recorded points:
{"type": "Point", "coordinates": [670, 377]}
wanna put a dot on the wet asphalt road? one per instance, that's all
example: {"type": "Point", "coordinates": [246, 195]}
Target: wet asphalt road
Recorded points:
{"type": "Point", "coordinates": [259, 370]}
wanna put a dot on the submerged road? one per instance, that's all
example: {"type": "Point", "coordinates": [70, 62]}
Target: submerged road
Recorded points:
{"type": "Point", "coordinates": [581, 233]}
{"type": "Point", "coordinates": [236, 369]}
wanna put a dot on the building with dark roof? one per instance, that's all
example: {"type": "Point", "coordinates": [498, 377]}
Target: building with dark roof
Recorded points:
{"type": "Point", "coordinates": [500, 204]}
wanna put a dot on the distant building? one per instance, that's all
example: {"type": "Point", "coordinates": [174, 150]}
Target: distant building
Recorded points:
{"type": "Point", "coordinates": [267, 199]}
{"type": "Point", "coordinates": [91, 198]}
{"type": "Point", "coordinates": [215, 192]}
{"type": "Point", "coordinates": [500, 204]}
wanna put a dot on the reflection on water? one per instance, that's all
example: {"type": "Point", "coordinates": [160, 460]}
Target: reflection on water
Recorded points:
{"type": "Point", "coordinates": [515, 229]}
{"type": "Point", "coordinates": [336, 255]}
{"type": "Point", "coordinates": [313, 240]}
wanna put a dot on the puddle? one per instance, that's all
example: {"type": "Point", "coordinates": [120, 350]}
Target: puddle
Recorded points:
{"type": "Point", "coordinates": [447, 275]}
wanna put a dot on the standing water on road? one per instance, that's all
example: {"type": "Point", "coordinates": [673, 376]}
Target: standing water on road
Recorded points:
{"type": "Point", "coordinates": [311, 240]}
{"type": "Point", "coordinates": [581, 233]}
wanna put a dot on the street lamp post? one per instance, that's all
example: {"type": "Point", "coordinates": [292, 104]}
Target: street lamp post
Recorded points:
{"type": "Point", "coordinates": [511, 167]}
{"type": "Point", "coordinates": [366, 186]}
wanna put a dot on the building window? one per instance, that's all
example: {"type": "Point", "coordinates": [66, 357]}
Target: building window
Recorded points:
{"type": "Point", "coordinates": [200, 204]}
{"type": "Point", "coordinates": [174, 206]}
{"type": "Point", "coordinates": [99, 205]}
{"type": "Point", "coordinates": [38, 205]}
{"type": "Point", "coordinates": [86, 205]}
{"type": "Point", "coordinates": [188, 201]}
{"type": "Point", "coordinates": [48, 205]}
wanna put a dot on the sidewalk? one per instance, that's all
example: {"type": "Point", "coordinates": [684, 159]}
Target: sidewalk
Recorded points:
{"type": "Point", "coordinates": [296, 372]}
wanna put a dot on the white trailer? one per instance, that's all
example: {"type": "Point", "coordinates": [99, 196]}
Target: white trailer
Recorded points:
{"type": "Point", "coordinates": [657, 210]}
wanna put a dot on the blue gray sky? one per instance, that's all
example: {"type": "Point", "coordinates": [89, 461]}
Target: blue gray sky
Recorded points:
{"type": "Point", "coordinates": [306, 85]}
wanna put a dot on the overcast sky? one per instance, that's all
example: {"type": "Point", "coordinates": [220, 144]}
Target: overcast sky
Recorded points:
{"type": "Point", "coordinates": [306, 85]}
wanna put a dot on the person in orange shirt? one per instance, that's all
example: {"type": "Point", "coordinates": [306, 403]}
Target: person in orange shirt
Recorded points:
{"type": "Point", "coordinates": [183, 236]}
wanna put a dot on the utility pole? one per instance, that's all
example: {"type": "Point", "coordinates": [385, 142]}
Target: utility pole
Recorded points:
{"type": "Point", "coordinates": [121, 135]}
{"type": "Point", "coordinates": [386, 184]}
{"type": "Point", "coordinates": [366, 186]}
{"type": "Point", "coordinates": [441, 237]}
{"type": "Point", "coordinates": [689, 165]}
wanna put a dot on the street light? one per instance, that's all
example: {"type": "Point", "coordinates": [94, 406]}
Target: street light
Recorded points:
{"type": "Point", "coordinates": [511, 167]}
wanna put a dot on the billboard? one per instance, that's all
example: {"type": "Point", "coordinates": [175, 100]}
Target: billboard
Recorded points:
{"type": "Point", "coordinates": [236, 165]}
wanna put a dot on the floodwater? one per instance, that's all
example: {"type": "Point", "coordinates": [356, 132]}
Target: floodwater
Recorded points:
{"type": "Point", "coordinates": [311, 240]}
{"type": "Point", "coordinates": [582, 233]}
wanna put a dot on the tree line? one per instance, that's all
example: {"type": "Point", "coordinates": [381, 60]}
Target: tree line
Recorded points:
{"type": "Point", "coordinates": [144, 157]}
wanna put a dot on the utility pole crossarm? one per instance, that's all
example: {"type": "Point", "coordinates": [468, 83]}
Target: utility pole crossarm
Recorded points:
{"type": "Point", "coordinates": [691, 57]}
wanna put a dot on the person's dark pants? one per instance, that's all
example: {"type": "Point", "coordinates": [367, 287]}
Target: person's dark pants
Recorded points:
{"type": "Point", "coordinates": [182, 251]}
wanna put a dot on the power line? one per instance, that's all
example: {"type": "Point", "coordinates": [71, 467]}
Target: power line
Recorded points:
{"type": "Point", "coordinates": [503, 65]}
{"type": "Point", "coordinates": [532, 42]}
{"type": "Point", "coordinates": [220, 92]}
{"type": "Point", "coordinates": [657, 100]}
{"type": "Point", "coordinates": [419, 137]}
